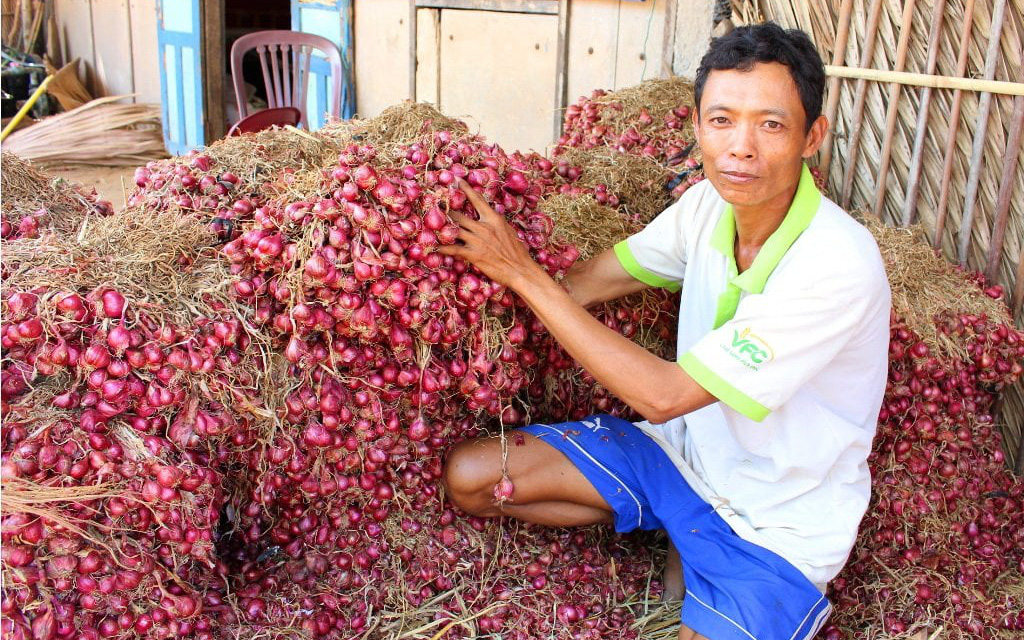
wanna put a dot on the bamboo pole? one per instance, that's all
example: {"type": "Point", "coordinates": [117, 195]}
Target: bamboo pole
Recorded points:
{"type": "Point", "coordinates": [858, 104]}
{"type": "Point", "coordinates": [1018, 466]}
{"type": "Point", "coordinates": [562, 68]}
{"type": "Point", "coordinates": [980, 131]}
{"type": "Point", "coordinates": [26, 24]}
{"type": "Point", "coordinates": [954, 124]}
{"type": "Point", "coordinates": [1017, 304]}
{"type": "Point", "coordinates": [926, 80]}
{"type": "Point", "coordinates": [835, 84]}
{"type": "Point", "coordinates": [15, 23]}
{"type": "Point", "coordinates": [892, 111]}
{"type": "Point", "coordinates": [917, 155]}
{"type": "Point", "coordinates": [1013, 142]}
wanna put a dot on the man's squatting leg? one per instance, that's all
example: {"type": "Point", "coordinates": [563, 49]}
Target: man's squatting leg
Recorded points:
{"type": "Point", "coordinates": [548, 490]}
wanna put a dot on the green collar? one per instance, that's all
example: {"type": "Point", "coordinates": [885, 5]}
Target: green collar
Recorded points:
{"type": "Point", "coordinates": [801, 212]}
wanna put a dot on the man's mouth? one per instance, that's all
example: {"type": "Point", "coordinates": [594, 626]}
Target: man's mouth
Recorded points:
{"type": "Point", "coordinates": [738, 176]}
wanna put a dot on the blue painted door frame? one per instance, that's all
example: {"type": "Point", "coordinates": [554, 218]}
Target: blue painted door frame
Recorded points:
{"type": "Point", "coordinates": [179, 50]}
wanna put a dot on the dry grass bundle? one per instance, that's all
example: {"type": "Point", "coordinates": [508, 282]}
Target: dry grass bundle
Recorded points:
{"type": "Point", "coordinates": [401, 123]}
{"type": "Point", "coordinates": [100, 132]}
{"type": "Point", "coordinates": [26, 191]}
{"type": "Point", "coordinates": [656, 97]}
{"type": "Point", "coordinates": [164, 260]}
{"type": "Point", "coordinates": [637, 181]}
{"type": "Point", "coordinates": [590, 226]}
{"type": "Point", "coordinates": [261, 159]}
{"type": "Point", "coordinates": [924, 285]}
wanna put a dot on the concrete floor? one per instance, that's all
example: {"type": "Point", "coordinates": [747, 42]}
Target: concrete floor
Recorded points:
{"type": "Point", "coordinates": [112, 183]}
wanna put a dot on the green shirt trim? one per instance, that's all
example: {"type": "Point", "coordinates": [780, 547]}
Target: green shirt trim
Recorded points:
{"type": "Point", "coordinates": [633, 268]}
{"type": "Point", "coordinates": [801, 212]}
{"type": "Point", "coordinates": [718, 387]}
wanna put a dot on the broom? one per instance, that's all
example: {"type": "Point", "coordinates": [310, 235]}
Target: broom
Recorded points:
{"type": "Point", "coordinates": [66, 87]}
{"type": "Point", "coordinates": [63, 83]}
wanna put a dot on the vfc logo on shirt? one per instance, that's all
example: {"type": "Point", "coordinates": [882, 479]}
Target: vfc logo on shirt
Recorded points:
{"type": "Point", "coordinates": [751, 350]}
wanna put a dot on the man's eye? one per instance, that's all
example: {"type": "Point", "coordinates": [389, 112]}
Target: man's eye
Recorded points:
{"type": "Point", "coordinates": [771, 124]}
{"type": "Point", "coordinates": [720, 120]}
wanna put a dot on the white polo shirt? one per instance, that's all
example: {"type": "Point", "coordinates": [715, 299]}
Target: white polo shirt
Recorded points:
{"type": "Point", "coordinates": [795, 348]}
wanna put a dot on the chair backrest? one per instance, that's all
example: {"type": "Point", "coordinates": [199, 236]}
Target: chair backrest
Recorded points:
{"type": "Point", "coordinates": [284, 59]}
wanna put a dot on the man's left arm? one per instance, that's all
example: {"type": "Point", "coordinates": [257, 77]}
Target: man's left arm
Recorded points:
{"type": "Point", "coordinates": [657, 389]}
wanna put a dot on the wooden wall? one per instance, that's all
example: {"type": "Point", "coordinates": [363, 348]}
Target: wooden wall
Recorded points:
{"type": "Point", "coordinates": [497, 70]}
{"type": "Point", "coordinates": [116, 41]}
{"type": "Point", "coordinates": [381, 37]}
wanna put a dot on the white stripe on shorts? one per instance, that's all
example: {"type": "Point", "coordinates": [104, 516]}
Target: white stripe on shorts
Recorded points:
{"type": "Point", "coordinates": [689, 594]}
{"type": "Point", "coordinates": [639, 506]}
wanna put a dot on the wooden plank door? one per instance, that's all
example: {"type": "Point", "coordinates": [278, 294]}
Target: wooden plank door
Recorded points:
{"type": "Point", "coordinates": [331, 19]}
{"type": "Point", "coordinates": [179, 42]}
{"type": "Point", "coordinates": [497, 71]}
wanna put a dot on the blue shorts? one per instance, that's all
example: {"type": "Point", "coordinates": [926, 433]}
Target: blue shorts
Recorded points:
{"type": "Point", "coordinates": [735, 590]}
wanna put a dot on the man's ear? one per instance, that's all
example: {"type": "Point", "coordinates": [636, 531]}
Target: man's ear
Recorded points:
{"type": "Point", "coordinates": [695, 118]}
{"type": "Point", "coordinates": [815, 136]}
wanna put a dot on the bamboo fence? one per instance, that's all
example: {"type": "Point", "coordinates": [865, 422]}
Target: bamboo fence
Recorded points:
{"type": "Point", "coordinates": [926, 104]}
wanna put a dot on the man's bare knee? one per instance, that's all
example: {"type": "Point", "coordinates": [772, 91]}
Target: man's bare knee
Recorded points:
{"type": "Point", "coordinates": [686, 633]}
{"type": "Point", "coordinates": [469, 477]}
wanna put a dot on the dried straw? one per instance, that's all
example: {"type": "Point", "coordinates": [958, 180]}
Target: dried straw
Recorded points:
{"type": "Point", "coordinates": [163, 260]}
{"type": "Point", "coordinates": [656, 97]}
{"type": "Point", "coordinates": [637, 181]}
{"type": "Point", "coordinates": [26, 191]}
{"type": "Point", "coordinates": [581, 221]}
{"type": "Point", "coordinates": [406, 121]}
{"type": "Point", "coordinates": [280, 160]}
{"type": "Point", "coordinates": [44, 501]}
{"type": "Point", "coordinates": [99, 132]}
{"type": "Point", "coordinates": [925, 285]}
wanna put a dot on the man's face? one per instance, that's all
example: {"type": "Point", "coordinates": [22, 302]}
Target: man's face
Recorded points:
{"type": "Point", "coordinates": [751, 130]}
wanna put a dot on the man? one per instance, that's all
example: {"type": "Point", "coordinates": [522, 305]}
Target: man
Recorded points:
{"type": "Point", "coordinates": [753, 454]}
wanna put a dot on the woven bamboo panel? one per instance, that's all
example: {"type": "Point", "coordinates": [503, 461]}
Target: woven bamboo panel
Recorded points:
{"type": "Point", "coordinates": [859, 150]}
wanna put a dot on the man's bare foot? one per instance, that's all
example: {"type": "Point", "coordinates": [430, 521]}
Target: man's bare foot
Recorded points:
{"type": "Point", "coordinates": [672, 578]}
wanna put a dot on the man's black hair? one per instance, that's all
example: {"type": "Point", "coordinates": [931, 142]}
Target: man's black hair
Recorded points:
{"type": "Point", "coordinates": [743, 47]}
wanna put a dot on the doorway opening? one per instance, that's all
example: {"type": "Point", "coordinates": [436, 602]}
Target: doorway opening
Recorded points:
{"type": "Point", "coordinates": [240, 18]}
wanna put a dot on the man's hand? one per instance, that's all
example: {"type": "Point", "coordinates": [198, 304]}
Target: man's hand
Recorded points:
{"type": "Point", "coordinates": [657, 389]}
{"type": "Point", "coordinates": [490, 243]}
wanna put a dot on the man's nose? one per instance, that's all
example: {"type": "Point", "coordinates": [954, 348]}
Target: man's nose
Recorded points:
{"type": "Point", "coordinates": [742, 144]}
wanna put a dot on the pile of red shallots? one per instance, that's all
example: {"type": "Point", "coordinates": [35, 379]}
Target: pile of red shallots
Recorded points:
{"type": "Point", "coordinates": [650, 120]}
{"type": "Point", "coordinates": [941, 549]}
{"type": "Point", "coordinates": [118, 418]}
{"type": "Point", "coordinates": [262, 453]}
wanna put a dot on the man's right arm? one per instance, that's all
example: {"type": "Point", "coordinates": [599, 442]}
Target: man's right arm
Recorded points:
{"type": "Point", "coordinates": [600, 279]}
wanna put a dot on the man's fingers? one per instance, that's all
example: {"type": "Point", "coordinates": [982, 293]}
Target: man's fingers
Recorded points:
{"type": "Point", "coordinates": [476, 199]}
{"type": "Point", "coordinates": [462, 219]}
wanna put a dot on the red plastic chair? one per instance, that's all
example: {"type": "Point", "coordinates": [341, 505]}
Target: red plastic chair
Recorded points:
{"type": "Point", "coordinates": [284, 59]}
{"type": "Point", "coordinates": [266, 118]}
